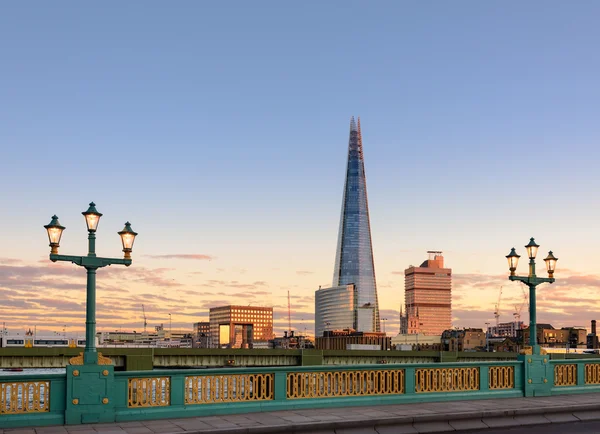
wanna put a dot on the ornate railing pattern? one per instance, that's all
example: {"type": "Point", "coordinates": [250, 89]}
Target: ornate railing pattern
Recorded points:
{"type": "Point", "coordinates": [344, 383]}
{"type": "Point", "coordinates": [24, 397]}
{"type": "Point", "coordinates": [429, 380]}
{"type": "Point", "coordinates": [501, 377]}
{"type": "Point", "coordinates": [149, 392]}
{"type": "Point", "coordinates": [210, 389]}
{"type": "Point", "coordinates": [565, 374]}
{"type": "Point", "coordinates": [592, 373]}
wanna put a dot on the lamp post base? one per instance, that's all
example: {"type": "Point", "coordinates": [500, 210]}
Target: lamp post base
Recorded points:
{"type": "Point", "coordinates": [90, 394]}
{"type": "Point", "coordinates": [538, 374]}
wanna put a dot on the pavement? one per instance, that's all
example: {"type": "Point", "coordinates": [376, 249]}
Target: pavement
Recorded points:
{"type": "Point", "coordinates": [491, 415]}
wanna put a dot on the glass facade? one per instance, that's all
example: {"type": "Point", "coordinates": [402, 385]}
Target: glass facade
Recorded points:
{"type": "Point", "coordinates": [334, 308]}
{"type": "Point", "coordinates": [354, 255]}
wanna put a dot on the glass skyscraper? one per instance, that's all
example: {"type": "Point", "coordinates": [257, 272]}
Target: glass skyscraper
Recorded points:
{"type": "Point", "coordinates": [354, 255]}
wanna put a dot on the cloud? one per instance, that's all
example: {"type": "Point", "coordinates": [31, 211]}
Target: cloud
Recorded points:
{"type": "Point", "coordinates": [11, 261]}
{"type": "Point", "coordinates": [234, 284]}
{"type": "Point", "coordinates": [304, 273]}
{"type": "Point", "coordinates": [193, 257]}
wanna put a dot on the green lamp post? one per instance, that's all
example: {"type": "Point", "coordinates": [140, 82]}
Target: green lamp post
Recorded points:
{"type": "Point", "coordinates": [532, 281]}
{"type": "Point", "coordinates": [91, 263]}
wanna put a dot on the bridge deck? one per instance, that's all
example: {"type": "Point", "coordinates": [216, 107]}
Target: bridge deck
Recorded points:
{"type": "Point", "coordinates": [382, 419]}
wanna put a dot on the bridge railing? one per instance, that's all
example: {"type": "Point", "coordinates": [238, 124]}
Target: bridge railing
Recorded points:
{"type": "Point", "coordinates": [27, 400]}
{"type": "Point", "coordinates": [98, 394]}
{"type": "Point", "coordinates": [575, 376]}
{"type": "Point", "coordinates": [181, 393]}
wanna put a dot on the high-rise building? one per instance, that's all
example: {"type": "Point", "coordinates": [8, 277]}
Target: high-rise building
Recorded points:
{"type": "Point", "coordinates": [428, 297]}
{"type": "Point", "coordinates": [354, 254]}
{"type": "Point", "coordinates": [240, 326]}
{"type": "Point", "coordinates": [335, 308]}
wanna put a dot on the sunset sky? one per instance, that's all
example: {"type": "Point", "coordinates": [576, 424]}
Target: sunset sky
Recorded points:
{"type": "Point", "coordinates": [220, 131]}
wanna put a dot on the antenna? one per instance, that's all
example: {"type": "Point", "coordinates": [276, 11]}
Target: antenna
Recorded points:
{"type": "Point", "coordinates": [145, 320]}
{"type": "Point", "coordinates": [497, 311]}
{"type": "Point", "coordinates": [289, 314]}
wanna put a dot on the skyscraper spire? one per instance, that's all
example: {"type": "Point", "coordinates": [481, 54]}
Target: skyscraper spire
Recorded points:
{"type": "Point", "coordinates": [354, 255]}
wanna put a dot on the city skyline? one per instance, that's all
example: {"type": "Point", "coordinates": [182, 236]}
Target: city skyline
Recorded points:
{"type": "Point", "coordinates": [221, 145]}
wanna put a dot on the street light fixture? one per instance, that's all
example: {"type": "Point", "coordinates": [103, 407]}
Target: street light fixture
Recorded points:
{"type": "Point", "coordinates": [55, 231]}
{"type": "Point", "coordinates": [532, 281]}
{"type": "Point", "coordinates": [127, 239]}
{"type": "Point", "coordinates": [91, 263]}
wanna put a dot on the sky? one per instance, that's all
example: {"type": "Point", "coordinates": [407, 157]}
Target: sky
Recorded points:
{"type": "Point", "coordinates": [220, 131]}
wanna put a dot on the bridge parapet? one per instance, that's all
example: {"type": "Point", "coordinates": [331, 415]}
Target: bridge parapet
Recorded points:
{"type": "Point", "coordinates": [78, 397]}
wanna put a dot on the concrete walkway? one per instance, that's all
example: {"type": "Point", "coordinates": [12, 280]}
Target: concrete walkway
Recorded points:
{"type": "Point", "coordinates": [385, 419]}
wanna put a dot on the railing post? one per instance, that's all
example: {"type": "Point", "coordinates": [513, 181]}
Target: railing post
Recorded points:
{"type": "Point", "coordinates": [581, 373]}
{"type": "Point", "coordinates": [177, 389]}
{"type": "Point", "coordinates": [409, 380]}
{"type": "Point", "coordinates": [484, 378]}
{"type": "Point", "coordinates": [280, 386]}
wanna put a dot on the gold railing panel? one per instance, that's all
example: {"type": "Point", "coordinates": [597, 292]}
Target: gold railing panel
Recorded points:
{"type": "Point", "coordinates": [211, 389]}
{"type": "Point", "coordinates": [302, 385]}
{"type": "Point", "coordinates": [429, 380]}
{"type": "Point", "coordinates": [565, 374]}
{"type": "Point", "coordinates": [149, 392]}
{"type": "Point", "coordinates": [501, 377]}
{"type": "Point", "coordinates": [592, 373]}
{"type": "Point", "coordinates": [24, 397]}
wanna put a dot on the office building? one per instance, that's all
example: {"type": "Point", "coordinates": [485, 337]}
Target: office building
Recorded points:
{"type": "Point", "coordinates": [335, 308]}
{"type": "Point", "coordinates": [428, 297]}
{"type": "Point", "coordinates": [506, 329]}
{"type": "Point", "coordinates": [201, 334]}
{"type": "Point", "coordinates": [351, 340]}
{"type": "Point", "coordinates": [354, 253]}
{"type": "Point", "coordinates": [240, 326]}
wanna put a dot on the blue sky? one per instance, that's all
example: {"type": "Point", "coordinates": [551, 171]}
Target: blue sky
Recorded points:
{"type": "Point", "coordinates": [221, 130]}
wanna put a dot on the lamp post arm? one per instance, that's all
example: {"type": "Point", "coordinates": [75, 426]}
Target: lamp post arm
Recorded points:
{"type": "Point", "coordinates": [77, 260]}
{"type": "Point", "coordinates": [539, 280]}
{"type": "Point", "coordinates": [533, 280]}
{"type": "Point", "coordinates": [115, 261]}
{"type": "Point", "coordinates": [91, 262]}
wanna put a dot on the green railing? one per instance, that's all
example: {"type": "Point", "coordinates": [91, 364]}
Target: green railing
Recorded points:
{"type": "Point", "coordinates": [575, 376]}
{"type": "Point", "coordinates": [88, 394]}
{"type": "Point", "coordinates": [182, 393]}
{"type": "Point", "coordinates": [24, 396]}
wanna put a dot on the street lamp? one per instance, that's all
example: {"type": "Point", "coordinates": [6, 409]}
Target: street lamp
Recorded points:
{"type": "Point", "coordinates": [384, 320]}
{"type": "Point", "coordinates": [532, 281]}
{"type": "Point", "coordinates": [91, 263]}
{"type": "Point", "coordinates": [487, 337]}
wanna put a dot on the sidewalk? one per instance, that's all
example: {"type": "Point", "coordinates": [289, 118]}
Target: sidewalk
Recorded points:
{"type": "Point", "coordinates": [386, 419]}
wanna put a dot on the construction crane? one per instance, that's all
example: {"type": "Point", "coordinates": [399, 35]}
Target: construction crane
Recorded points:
{"type": "Point", "coordinates": [525, 298]}
{"type": "Point", "coordinates": [497, 311]}
{"type": "Point", "coordinates": [145, 320]}
{"type": "Point", "coordinates": [517, 313]}
{"type": "Point", "coordinates": [519, 308]}
{"type": "Point", "coordinates": [289, 315]}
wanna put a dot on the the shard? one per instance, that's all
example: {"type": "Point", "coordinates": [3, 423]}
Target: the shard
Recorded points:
{"type": "Point", "coordinates": [354, 255]}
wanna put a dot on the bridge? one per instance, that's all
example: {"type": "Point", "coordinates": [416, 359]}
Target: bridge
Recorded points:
{"type": "Point", "coordinates": [140, 359]}
{"type": "Point", "coordinates": [95, 393]}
